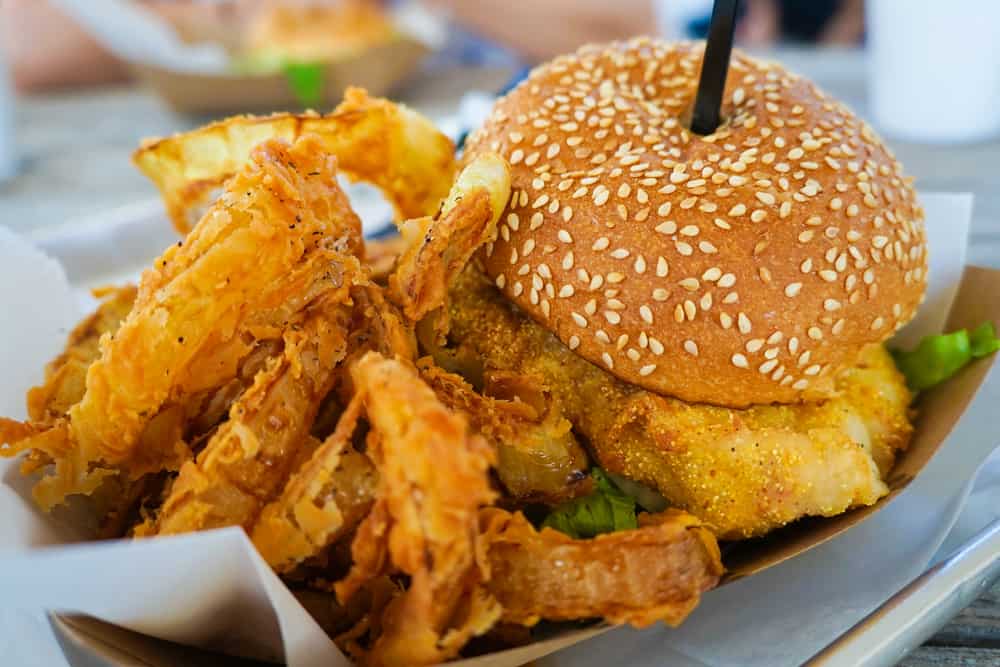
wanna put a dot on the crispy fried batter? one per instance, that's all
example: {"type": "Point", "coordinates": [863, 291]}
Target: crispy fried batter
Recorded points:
{"type": "Point", "coordinates": [325, 500]}
{"type": "Point", "coordinates": [250, 457]}
{"type": "Point", "coordinates": [381, 256]}
{"type": "Point", "coordinates": [433, 479]}
{"type": "Point", "coordinates": [441, 248]}
{"type": "Point", "coordinates": [744, 472]}
{"type": "Point", "coordinates": [538, 457]}
{"type": "Point", "coordinates": [65, 376]}
{"type": "Point", "coordinates": [656, 572]}
{"type": "Point", "coordinates": [282, 235]}
{"type": "Point", "coordinates": [374, 140]}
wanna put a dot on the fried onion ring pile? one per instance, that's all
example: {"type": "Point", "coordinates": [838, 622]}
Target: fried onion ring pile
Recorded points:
{"type": "Point", "coordinates": [273, 372]}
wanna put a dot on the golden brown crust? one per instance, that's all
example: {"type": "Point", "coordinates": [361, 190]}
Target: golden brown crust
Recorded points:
{"type": "Point", "coordinates": [654, 573]}
{"type": "Point", "coordinates": [746, 266]}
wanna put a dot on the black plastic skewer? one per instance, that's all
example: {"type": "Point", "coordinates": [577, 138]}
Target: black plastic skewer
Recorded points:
{"type": "Point", "coordinates": [714, 67]}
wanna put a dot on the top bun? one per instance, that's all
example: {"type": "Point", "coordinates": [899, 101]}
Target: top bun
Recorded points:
{"type": "Point", "coordinates": [747, 266]}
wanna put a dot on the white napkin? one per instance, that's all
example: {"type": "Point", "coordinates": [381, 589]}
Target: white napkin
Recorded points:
{"type": "Point", "coordinates": [180, 588]}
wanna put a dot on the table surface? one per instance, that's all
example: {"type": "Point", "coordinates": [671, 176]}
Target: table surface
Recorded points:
{"type": "Point", "coordinates": [75, 151]}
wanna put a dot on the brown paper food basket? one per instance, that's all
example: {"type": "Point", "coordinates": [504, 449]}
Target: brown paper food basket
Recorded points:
{"type": "Point", "coordinates": [377, 69]}
{"type": "Point", "coordinates": [939, 409]}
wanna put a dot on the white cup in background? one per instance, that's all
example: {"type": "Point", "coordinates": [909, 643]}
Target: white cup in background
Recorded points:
{"type": "Point", "coordinates": [8, 159]}
{"type": "Point", "coordinates": [934, 68]}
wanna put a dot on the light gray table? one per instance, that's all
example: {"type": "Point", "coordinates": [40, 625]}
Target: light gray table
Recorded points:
{"type": "Point", "coordinates": [76, 148]}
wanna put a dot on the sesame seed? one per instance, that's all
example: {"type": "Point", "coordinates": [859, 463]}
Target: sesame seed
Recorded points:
{"type": "Point", "coordinates": [793, 289]}
{"type": "Point", "coordinates": [712, 274]}
{"type": "Point", "coordinates": [765, 198]}
{"type": "Point", "coordinates": [632, 354]}
{"type": "Point", "coordinates": [828, 275]}
{"type": "Point", "coordinates": [517, 289]}
{"type": "Point", "coordinates": [691, 347]}
{"type": "Point", "coordinates": [667, 227]}
{"type": "Point", "coordinates": [690, 284]}
{"type": "Point", "coordinates": [655, 346]}
{"type": "Point", "coordinates": [727, 280]}
{"type": "Point", "coordinates": [707, 247]}
{"type": "Point", "coordinates": [580, 320]}
{"type": "Point", "coordinates": [690, 310]}
{"type": "Point", "coordinates": [831, 305]}
{"type": "Point", "coordinates": [754, 345]}
{"type": "Point", "coordinates": [590, 307]}
{"type": "Point", "coordinates": [793, 345]}
{"type": "Point", "coordinates": [725, 320]}
{"type": "Point", "coordinates": [544, 271]}
{"type": "Point", "coordinates": [601, 195]}
{"type": "Point", "coordinates": [800, 384]}
{"type": "Point", "coordinates": [660, 294]}
{"type": "Point", "coordinates": [566, 291]}
{"type": "Point", "coordinates": [662, 268]}
{"type": "Point", "coordinates": [815, 333]}
{"type": "Point", "coordinates": [743, 323]}
{"type": "Point", "coordinates": [767, 366]}
{"type": "Point", "coordinates": [806, 266]}
{"type": "Point", "coordinates": [758, 215]}
{"type": "Point", "coordinates": [615, 277]}
{"type": "Point", "coordinates": [567, 261]}
{"type": "Point", "coordinates": [606, 358]}
{"type": "Point", "coordinates": [664, 209]}
{"type": "Point", "coordinates": [738, 210]}
{"type": "Point", "coordinates": [596, 282]}
{"type": "Point", "coordinates": [646, 370]}
{"type": "Point", "coordinates": [806, 236]}
{"type": "Point", "coordinates": [878, 323]}
{"type": "Point", "coordinates": [612, 317]}
{"type": "Point", "coordinates": [836, 203]}
{"type": "Point", "coordinates": [620, 253]}
{"type": "Point", "coordinates": [690, 230]}
{"type": "Point", "coordinates": [683, 248]}
{"type": "Point", "coordinates": [574, 342]}
{"type": "Point", "coordinates": [564, 236]}
{"type": "Point", "coordinates": [646, 314]}
{"type": "Point", "coordinates": [740, 361]}
{"type": "Point", "coordinates": [601, 244]}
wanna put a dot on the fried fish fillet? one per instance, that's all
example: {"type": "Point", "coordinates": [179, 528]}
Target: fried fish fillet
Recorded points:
{"type": "Point", "coordinates": [386, 144]}
{"type": "Point", "coordinates": [743, 472]}
{"type": "Point", "coordinates": [656, 572]}
{"type": "Point", "coordinates": [433, 480]}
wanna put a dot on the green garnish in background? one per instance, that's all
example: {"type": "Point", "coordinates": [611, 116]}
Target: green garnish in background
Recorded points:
{"type": "Point", "coordinates": [605, 510]}
{"type": "Point", "coordinates": [306, 81]}
{"type": "Point", "coordinates": [939, 357]}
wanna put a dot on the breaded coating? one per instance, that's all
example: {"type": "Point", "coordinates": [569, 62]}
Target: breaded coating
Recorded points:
{"type": "Point", "coordinates": [323, 501]}
{"type": "Point", "coordinates": [249, 459]}
{"type": "Point", "coordinates": [656, 572]}
{"type": "Point", "coordinates": [538, 457]}
{"type": "Point", "coordinates": [276, 240]}
{"type": "Point", "coordinates": [433, 480]}
{"type": "Point", "coordinates": [743, 472]}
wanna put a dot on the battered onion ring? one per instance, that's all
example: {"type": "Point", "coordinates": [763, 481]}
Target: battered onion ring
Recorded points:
{"type": "Point", "coordinates": [323, 501]}
{"type": "Point", "coordinates": [442, 247]}
{"type": "Point", "coordinates": [374, 140]}
{"type": "Point", "coordinates": [433, 479]}
{"type": "Point", "coordinates": [656, 572]}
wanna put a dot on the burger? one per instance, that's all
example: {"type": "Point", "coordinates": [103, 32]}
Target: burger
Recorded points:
{"type": "Point", "coordinates": [708, 312]}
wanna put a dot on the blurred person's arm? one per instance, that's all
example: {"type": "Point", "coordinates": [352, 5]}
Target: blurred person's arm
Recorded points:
{"type": "Point", "coordinates": [45, 49]}
{"type": "Point", "coordinates": [847, 26]}
{"type": "Point", "coordinates": [541, 29]}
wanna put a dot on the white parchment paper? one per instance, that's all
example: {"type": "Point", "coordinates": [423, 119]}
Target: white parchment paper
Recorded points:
{"type": "Point", "coordinates": [212, 589]}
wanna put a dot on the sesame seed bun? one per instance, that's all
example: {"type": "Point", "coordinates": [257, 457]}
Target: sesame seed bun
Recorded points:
{"type": "Point", "coordinates": [747, 266]}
